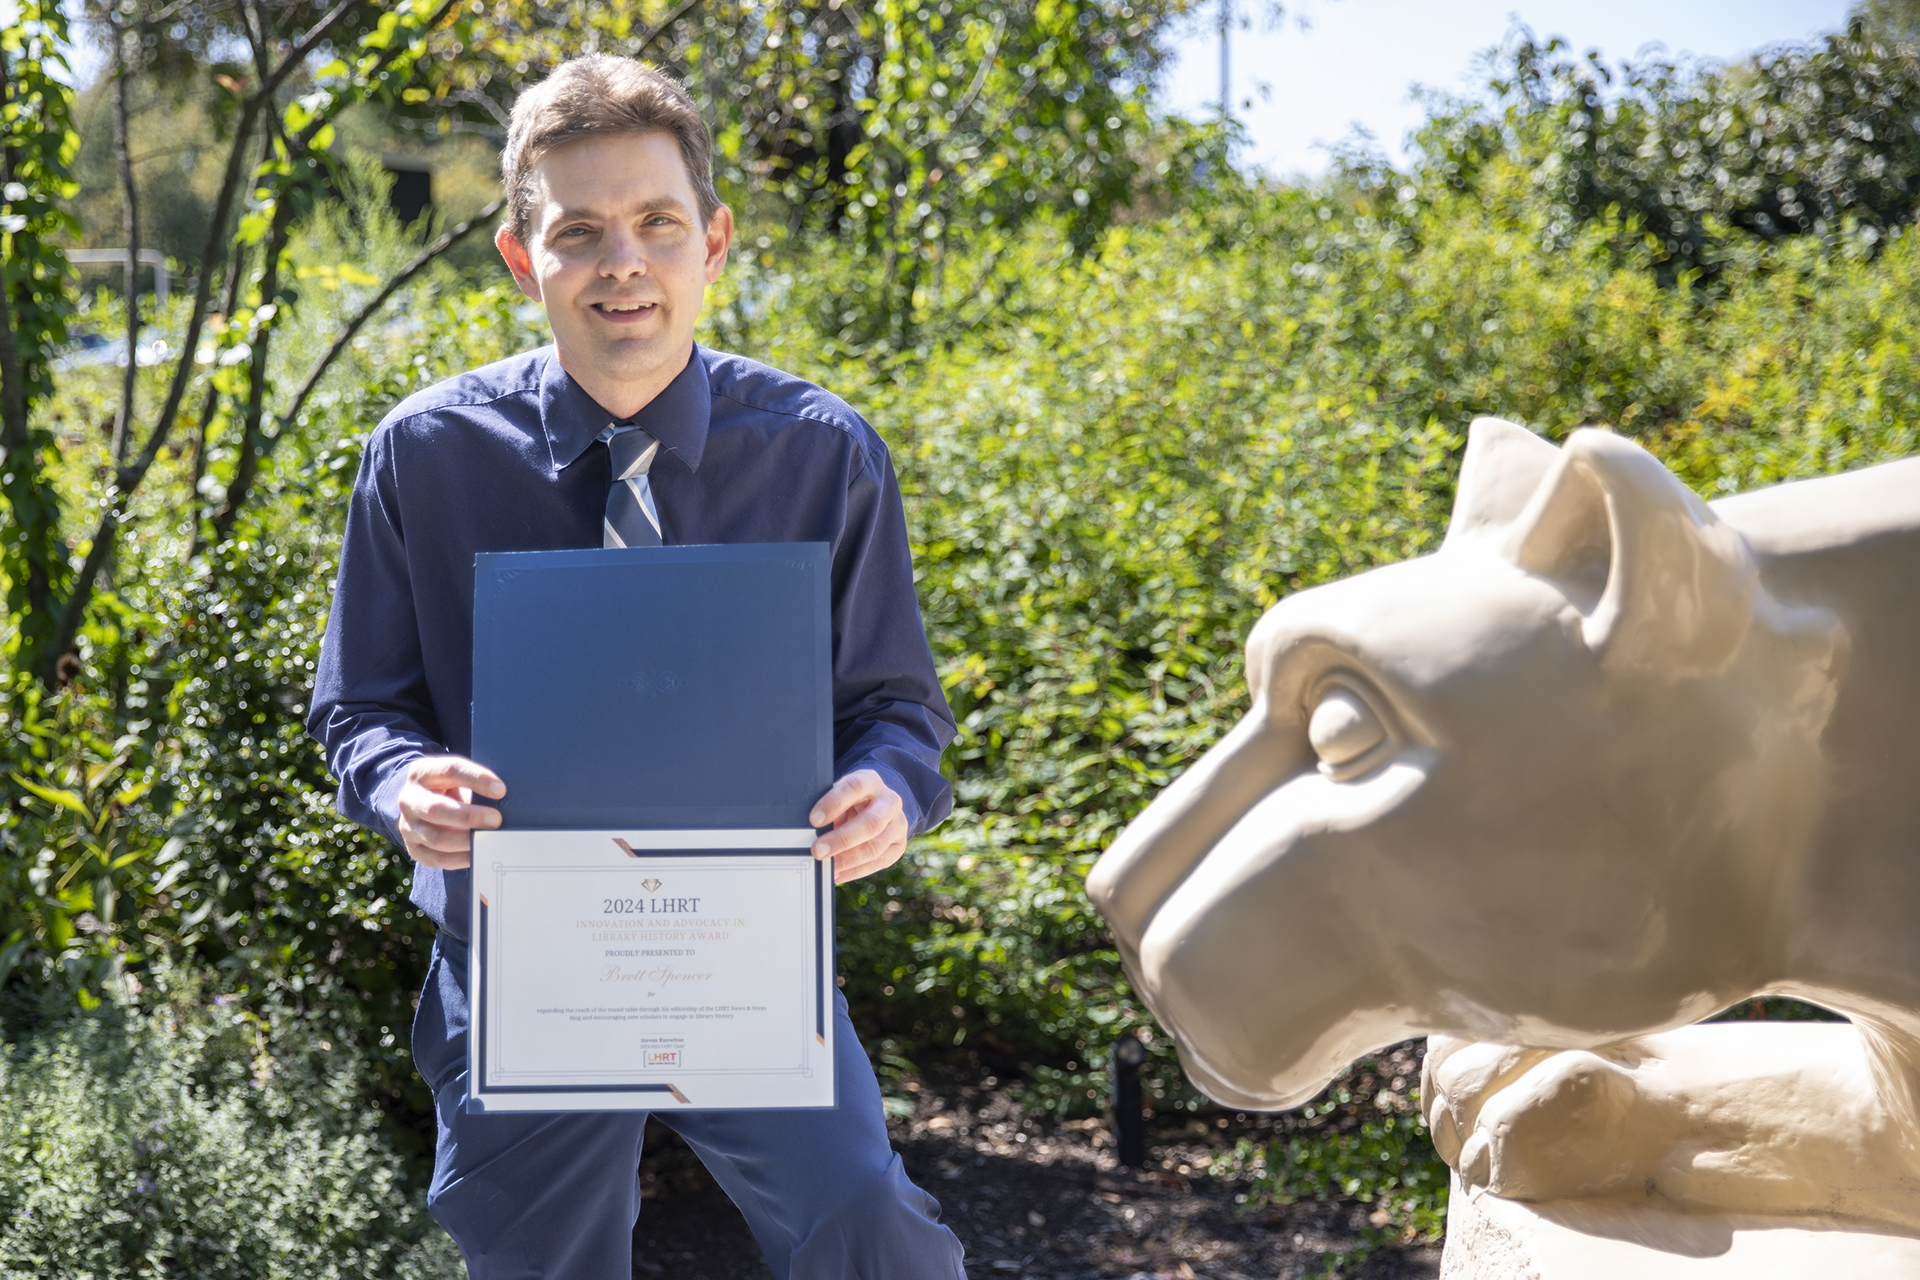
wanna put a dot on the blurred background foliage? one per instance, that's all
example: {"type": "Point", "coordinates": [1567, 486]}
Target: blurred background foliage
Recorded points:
{"type": "Point", "coordinates": [1134, 399]}
{"type": "Point", "coordinates": [1820, 140]}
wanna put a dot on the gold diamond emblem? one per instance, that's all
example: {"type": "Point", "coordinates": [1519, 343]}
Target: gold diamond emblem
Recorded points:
{"type": "Point", "coordinates": [650, 884]}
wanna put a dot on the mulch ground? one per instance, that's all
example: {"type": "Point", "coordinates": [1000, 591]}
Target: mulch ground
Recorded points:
{"type": "Point", "coordinates": [1042, 1198]}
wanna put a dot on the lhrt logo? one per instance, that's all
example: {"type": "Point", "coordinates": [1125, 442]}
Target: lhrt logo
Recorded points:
{"type": "Point", "coordinates": [663, 1057]}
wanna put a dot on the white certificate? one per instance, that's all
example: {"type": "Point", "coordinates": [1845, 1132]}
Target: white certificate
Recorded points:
{"type": "Point", "coordinates": [650, 971]}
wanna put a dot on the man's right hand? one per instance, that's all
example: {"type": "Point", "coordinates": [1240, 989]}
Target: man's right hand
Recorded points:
{"type": "Point", "coordinates": [437, 813]}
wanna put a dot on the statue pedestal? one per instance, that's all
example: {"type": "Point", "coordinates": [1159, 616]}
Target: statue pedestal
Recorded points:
{"type": "Point", "coordinates": [1489, 1238]}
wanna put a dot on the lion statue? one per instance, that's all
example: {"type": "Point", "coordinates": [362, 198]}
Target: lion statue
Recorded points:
{"type": "Point", "coordinates": [1611, 760]}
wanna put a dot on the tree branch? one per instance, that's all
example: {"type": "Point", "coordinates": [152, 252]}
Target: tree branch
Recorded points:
{"type": "Point", "coordinates": [236, 268]}
{"type": "Point", "coordinates": [216, 238]}
{"type": "Point", "coordinates": [346, 332]}
{"type": "Point", "coordinates": [502, 118]}
{"type": "Point", "coordinates": [309, 42]}
{"type": "Point", "coordinates": [986, 64]}
{"type": "Point", "coordinates": [659, 29]}
{"type": "Point", "coordinates": [256, 40]}
{"type": "Point", "coordinates": [210, 404]}
{"type": "Point", "coordinates": [247, 465]}
{"type": "Point", "coordinates": [256, 394]}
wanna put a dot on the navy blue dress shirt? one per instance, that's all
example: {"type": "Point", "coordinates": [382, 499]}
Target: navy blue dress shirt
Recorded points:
{"type": "Point", "coordinates": [504, 459]}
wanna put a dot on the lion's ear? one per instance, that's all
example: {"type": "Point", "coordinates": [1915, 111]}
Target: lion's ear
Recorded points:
{"type": "Point", "coordinates": [1662, 582]}
{"type": "Point", "coordinates": [1503, 468]}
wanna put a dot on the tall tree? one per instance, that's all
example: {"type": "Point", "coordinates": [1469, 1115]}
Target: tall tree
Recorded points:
{"type": "Point", "coordinates": [909, 129]}
{"type": "Point", "coordinates": [1820, 139]}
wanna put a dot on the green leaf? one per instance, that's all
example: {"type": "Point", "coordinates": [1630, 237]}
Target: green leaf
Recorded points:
{"type": "Point", "coordinates": [55, 795]}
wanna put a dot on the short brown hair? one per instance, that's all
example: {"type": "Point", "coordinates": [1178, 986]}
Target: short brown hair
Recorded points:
{"type": "Point", "coordinates": [598, 94]}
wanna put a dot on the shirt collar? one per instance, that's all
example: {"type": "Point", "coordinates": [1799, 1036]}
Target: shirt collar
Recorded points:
{"type": "Point", "coordinates": [677, 417]}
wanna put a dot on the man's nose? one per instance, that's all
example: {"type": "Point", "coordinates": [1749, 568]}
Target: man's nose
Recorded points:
{"type": "Point", "coordinates": [622, 256]}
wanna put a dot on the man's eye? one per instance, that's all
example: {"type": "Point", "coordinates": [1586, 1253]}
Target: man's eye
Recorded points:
{"type": "Point", "coordinates": [1346, 734]}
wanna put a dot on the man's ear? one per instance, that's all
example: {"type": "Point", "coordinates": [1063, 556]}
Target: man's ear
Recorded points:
{"type": "Point", "coordinates": [519, 261]}
{"type": "Point", "coordinates": [719, 234]}
{"type": "Point", "coordinates": [1664, 585]}
{"type": "Point", "coordinates": [1504, 466]}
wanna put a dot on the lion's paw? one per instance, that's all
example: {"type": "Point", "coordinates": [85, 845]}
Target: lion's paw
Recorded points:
{"type": "Point", "coordinates": [1532, 1124]}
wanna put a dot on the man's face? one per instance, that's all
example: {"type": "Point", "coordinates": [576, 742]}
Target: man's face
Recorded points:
{"type": "Point", "coordinates": [616, 253]}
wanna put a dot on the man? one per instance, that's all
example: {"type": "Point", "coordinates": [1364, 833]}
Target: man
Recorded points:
{"type": "Point", "coordinates": [625, 432]}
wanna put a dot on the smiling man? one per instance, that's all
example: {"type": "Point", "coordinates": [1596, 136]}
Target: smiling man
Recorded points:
{"type": "Point", "coordinates": [626, 433]}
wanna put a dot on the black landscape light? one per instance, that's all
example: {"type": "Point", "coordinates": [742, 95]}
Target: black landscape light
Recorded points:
{"type": "Point", "coordinates": [1129, 1125]}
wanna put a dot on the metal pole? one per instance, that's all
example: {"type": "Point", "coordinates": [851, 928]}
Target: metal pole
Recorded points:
{"type": "Point", "coordinates": [1129, 1125]}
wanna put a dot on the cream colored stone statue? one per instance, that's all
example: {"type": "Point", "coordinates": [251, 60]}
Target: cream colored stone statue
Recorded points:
{"type": "Point", "coordinates": [1610, 760]}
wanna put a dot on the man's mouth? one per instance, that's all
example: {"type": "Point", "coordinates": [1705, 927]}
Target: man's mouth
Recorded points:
{"type": "Point", "coordinates": [625, 310]}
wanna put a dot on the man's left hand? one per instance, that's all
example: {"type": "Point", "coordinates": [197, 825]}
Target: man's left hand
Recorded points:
{"type": "Point", "coordinates": [869, 826]}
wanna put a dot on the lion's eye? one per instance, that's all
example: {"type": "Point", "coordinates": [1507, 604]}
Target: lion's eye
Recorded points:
{"type": "Point", "coordinates": [1344, 731]}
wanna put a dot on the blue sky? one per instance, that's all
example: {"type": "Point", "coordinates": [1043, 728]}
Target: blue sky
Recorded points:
{"type": "Point", "coordinates": [1356, 60]}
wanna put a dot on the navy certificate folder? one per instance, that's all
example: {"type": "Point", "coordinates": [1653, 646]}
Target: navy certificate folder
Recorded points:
{"type": "Point", "coordinates": [655, 687]}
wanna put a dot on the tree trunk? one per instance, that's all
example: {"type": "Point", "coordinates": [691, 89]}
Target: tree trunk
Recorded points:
{"type": "Point", "coordinates": [252, 439]}
{"type": "Point", "coordinates": [123, 423]}
{"type": "Point", "coordinates": [13, 388]}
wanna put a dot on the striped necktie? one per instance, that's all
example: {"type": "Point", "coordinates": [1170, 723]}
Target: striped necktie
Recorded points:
{"type": "Point", "coordinates": [631, 520]}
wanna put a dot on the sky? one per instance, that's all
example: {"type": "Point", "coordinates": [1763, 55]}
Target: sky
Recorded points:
{"type": "Point", "coordinates": [1298, 90]}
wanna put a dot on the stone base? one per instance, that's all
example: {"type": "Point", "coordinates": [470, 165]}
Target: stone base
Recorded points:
{"type": "Point", "coordinates": [1493, 1239]}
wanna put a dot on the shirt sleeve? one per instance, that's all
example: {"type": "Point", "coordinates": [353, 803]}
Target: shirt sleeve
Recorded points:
{"type": "Point", "coordinates": [371, 708]}
{"type": "Point", "coordinates": [890, 714]}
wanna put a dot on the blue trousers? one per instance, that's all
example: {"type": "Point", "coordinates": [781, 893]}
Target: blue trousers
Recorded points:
{"type": "Point", "coordinates": [556, 1196]}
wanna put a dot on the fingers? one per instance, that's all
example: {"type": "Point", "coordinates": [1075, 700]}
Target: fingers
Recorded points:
{"type": "Point", "coordinates": [861, 784]}
{"type": "Point", "coordinates": [440, 847]}
{"type": "Point", "coordinates": [870, 826]}
{"type": "Point", "coordinates": [867, 822]}
{"type": "Point", "coordinates": [437, 815]}
{"type": "Point", "coordinates": [448, 773]}
{"type": "Point", "coordinates": [874, 855]}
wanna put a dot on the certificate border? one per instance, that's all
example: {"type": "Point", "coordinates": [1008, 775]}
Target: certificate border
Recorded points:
{"type": "Point", "coordinates": [638, 845]}
{"type": "Point", "coordinates": [801, 1066]}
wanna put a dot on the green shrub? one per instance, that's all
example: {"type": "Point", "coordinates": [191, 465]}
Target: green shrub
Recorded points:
{"type": "Point", "coordinates": [1389, 1162]}
{"type": "Point", "coordinates": [1363, 1141]}
{"type": "Point", "coordinates": [1111, 479]}
{"type": "Point", "coordinates": [1113, 462]}
{"type": "Point", "coordinates": [201, 1142]}
{"type": "Point", "coordinates": [181, 755]}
